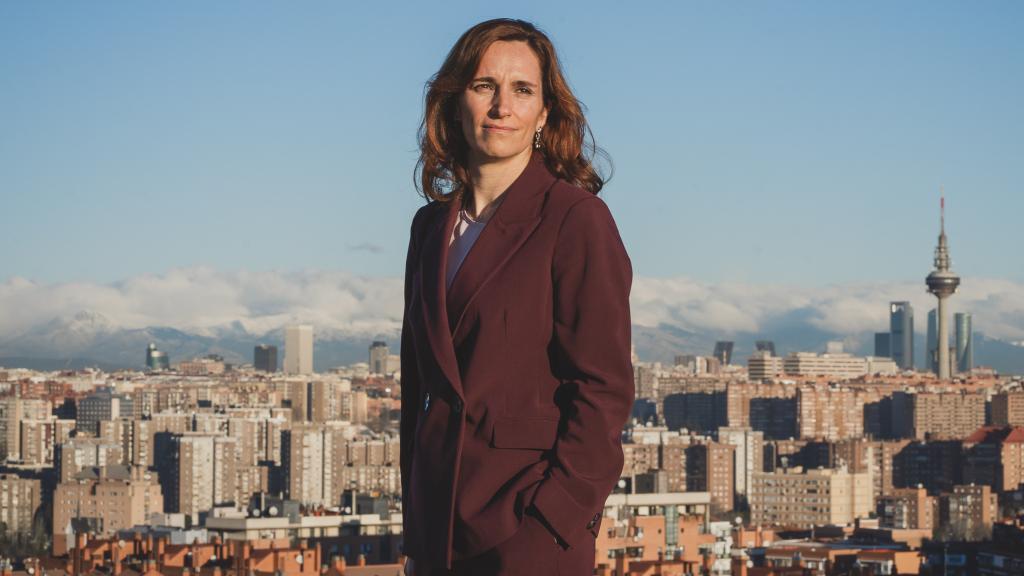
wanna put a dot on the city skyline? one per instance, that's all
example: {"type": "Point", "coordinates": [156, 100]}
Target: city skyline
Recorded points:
{"type": "Point", "coordinates": [670, 316]}
{"type": "Point", "coordinates": [816, 136]}
{"type": "Point", "coordinates": [746, 463]}
{"type": "Point", "coordinates": [201, 297]}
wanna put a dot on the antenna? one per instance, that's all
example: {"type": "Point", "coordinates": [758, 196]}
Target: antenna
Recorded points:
{"type": "Point", "coordinates": [942, 209]}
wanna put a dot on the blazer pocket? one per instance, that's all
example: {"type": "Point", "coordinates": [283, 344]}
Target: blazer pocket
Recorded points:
{"type": "Point", "coordinates": [525, 433]}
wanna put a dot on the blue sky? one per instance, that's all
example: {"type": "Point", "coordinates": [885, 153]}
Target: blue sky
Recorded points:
{"type": "Point", "coordinates": [799, 143]}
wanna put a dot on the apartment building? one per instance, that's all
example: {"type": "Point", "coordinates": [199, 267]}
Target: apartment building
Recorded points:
{"type": "Point", "coordinates": [113, 497]}
{"type": "Point", "coordinates": [908, 509]}
{"type": "Point", "coordinates": [709, 468]}
{"type": "Point", "coordinates": [803, 498]}
{"type": "Point", "coordinates": [953, 414]}
{"type": "Point", "coordinates": [19, 500]}
{"type": "Point", "coordinates": [1008, 409]}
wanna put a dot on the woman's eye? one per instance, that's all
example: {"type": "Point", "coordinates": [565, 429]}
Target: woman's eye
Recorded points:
{"type": "Point", "coordinates": [482, 86]}
{"type": "Point", "coordinates": [525, 90]}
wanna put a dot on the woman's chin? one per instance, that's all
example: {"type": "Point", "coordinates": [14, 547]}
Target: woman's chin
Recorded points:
{"type": "Point", "coordinates": [494, 154]}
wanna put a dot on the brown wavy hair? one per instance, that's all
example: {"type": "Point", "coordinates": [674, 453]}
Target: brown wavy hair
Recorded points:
{"type": "Point", "coordinates": [567, 143]}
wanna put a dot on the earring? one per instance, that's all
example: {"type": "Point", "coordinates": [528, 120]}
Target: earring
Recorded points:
{"type": "Point", "coordinates": [536, 138]}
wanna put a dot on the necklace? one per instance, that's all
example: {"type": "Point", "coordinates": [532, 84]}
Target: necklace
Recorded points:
{"type": "Point", "coordinates": [484, 216]}
{"type": "Point", "coordinates": [464, 214]}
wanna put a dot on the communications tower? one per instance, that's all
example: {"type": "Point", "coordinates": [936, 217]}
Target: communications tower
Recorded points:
{"type": "Point", "coordinates": [942, 282]}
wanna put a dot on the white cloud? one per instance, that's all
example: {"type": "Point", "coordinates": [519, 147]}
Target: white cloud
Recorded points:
{"type": "Point", "coordinates": [997, 305]}
{"type": "Point", "coordinates": [202, 300]}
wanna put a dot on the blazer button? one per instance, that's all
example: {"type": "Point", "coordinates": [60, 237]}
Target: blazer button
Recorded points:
{"type": "Point", "coordinates": [426, 401]}
{"type": "Point", "coordinates": [457, 406]}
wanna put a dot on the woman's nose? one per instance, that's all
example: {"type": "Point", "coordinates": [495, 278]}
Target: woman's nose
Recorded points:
{"type": "Point", "coordinates": [500, 104]}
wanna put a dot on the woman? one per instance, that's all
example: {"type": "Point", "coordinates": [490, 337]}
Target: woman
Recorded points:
{"type": "Point", "coordinates": [516, 373]}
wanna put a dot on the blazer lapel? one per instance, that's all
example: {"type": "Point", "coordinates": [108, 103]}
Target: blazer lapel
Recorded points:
{"type": "Point", "coordinates": [432, 276]}
{"type": "Point", "coordinates": [515, 219]}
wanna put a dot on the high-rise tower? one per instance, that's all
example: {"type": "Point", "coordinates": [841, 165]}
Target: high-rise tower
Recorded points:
{"type": "Point", "coordinates": [964, 342]}
{"type": "Point", "coordinates": [379, 357]}
{"type": "Point", "coordinates": [765, 346]}
{"type": "Point", "coordinates": [265, 358]}
{"type": "Point", "coordinates": [901, 334]}
{"type": "Point", "coordinates": [155, 359]}
{"type": "Point", "coordinates": [942, 282]}
{"type": "Point", "coordinates": [723, 351]}
{"type": "Point", "coordinates": [298, 349]}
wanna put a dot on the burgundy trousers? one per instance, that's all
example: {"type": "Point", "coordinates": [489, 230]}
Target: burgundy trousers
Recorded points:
{"type": "Point", "coordinates": [532, 551]}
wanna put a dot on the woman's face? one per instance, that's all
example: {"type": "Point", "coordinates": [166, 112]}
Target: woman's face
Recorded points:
{"type": "Point", "coordinates": [503, 106]}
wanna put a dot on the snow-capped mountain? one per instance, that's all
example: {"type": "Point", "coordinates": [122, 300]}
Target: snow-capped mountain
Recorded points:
{"type": "Point", "coordinates": [88, 338]}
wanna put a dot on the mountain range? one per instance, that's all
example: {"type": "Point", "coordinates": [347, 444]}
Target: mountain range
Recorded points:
{"type": "Point", "coordinates": [88, 338]}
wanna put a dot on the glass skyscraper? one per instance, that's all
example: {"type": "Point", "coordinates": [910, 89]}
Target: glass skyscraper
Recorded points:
{"type": "Point", "coordinates": [964, 342]}
{"type": "Point", "coordinates": [265, 358]}
{"type": "Point", "coordinates": [723, 351]}
{"type": "Point", "coordinates": [882, 348]}
{"type": "Point", "coordinates": [765, 346]}
{"type": "Point", "coordinates": [155, 359]}
{"type": "Point", "coordinates": [901, 334]}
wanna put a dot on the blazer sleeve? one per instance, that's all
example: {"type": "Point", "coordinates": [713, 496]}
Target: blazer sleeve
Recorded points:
{"type": "Point", "coordinates": [590, 352]}
{"type": "Point", "coordinates": [410, 383]}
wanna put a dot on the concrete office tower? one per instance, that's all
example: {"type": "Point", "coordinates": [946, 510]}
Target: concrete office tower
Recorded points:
{"type": "Point", "coordinates": [932, 359]}
{"type": "Point", "coordinates": [379, 357]}
{"type": "Point", "coordinates": [964, 342]}
{"type": "Point", "coordinates": [942, 282]}
{"type": "Point", "coordinates": [723, 352]}
{"type": "Point", "coordinates": [298, 349]}
{"type": "Point", "coordinates": [901, 334]}
{"type": "Point", "coordinates": [265, 358]}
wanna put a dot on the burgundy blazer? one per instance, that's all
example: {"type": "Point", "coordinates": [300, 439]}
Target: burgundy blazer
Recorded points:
{"type": "Point", "coordinates": [516, 382]}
